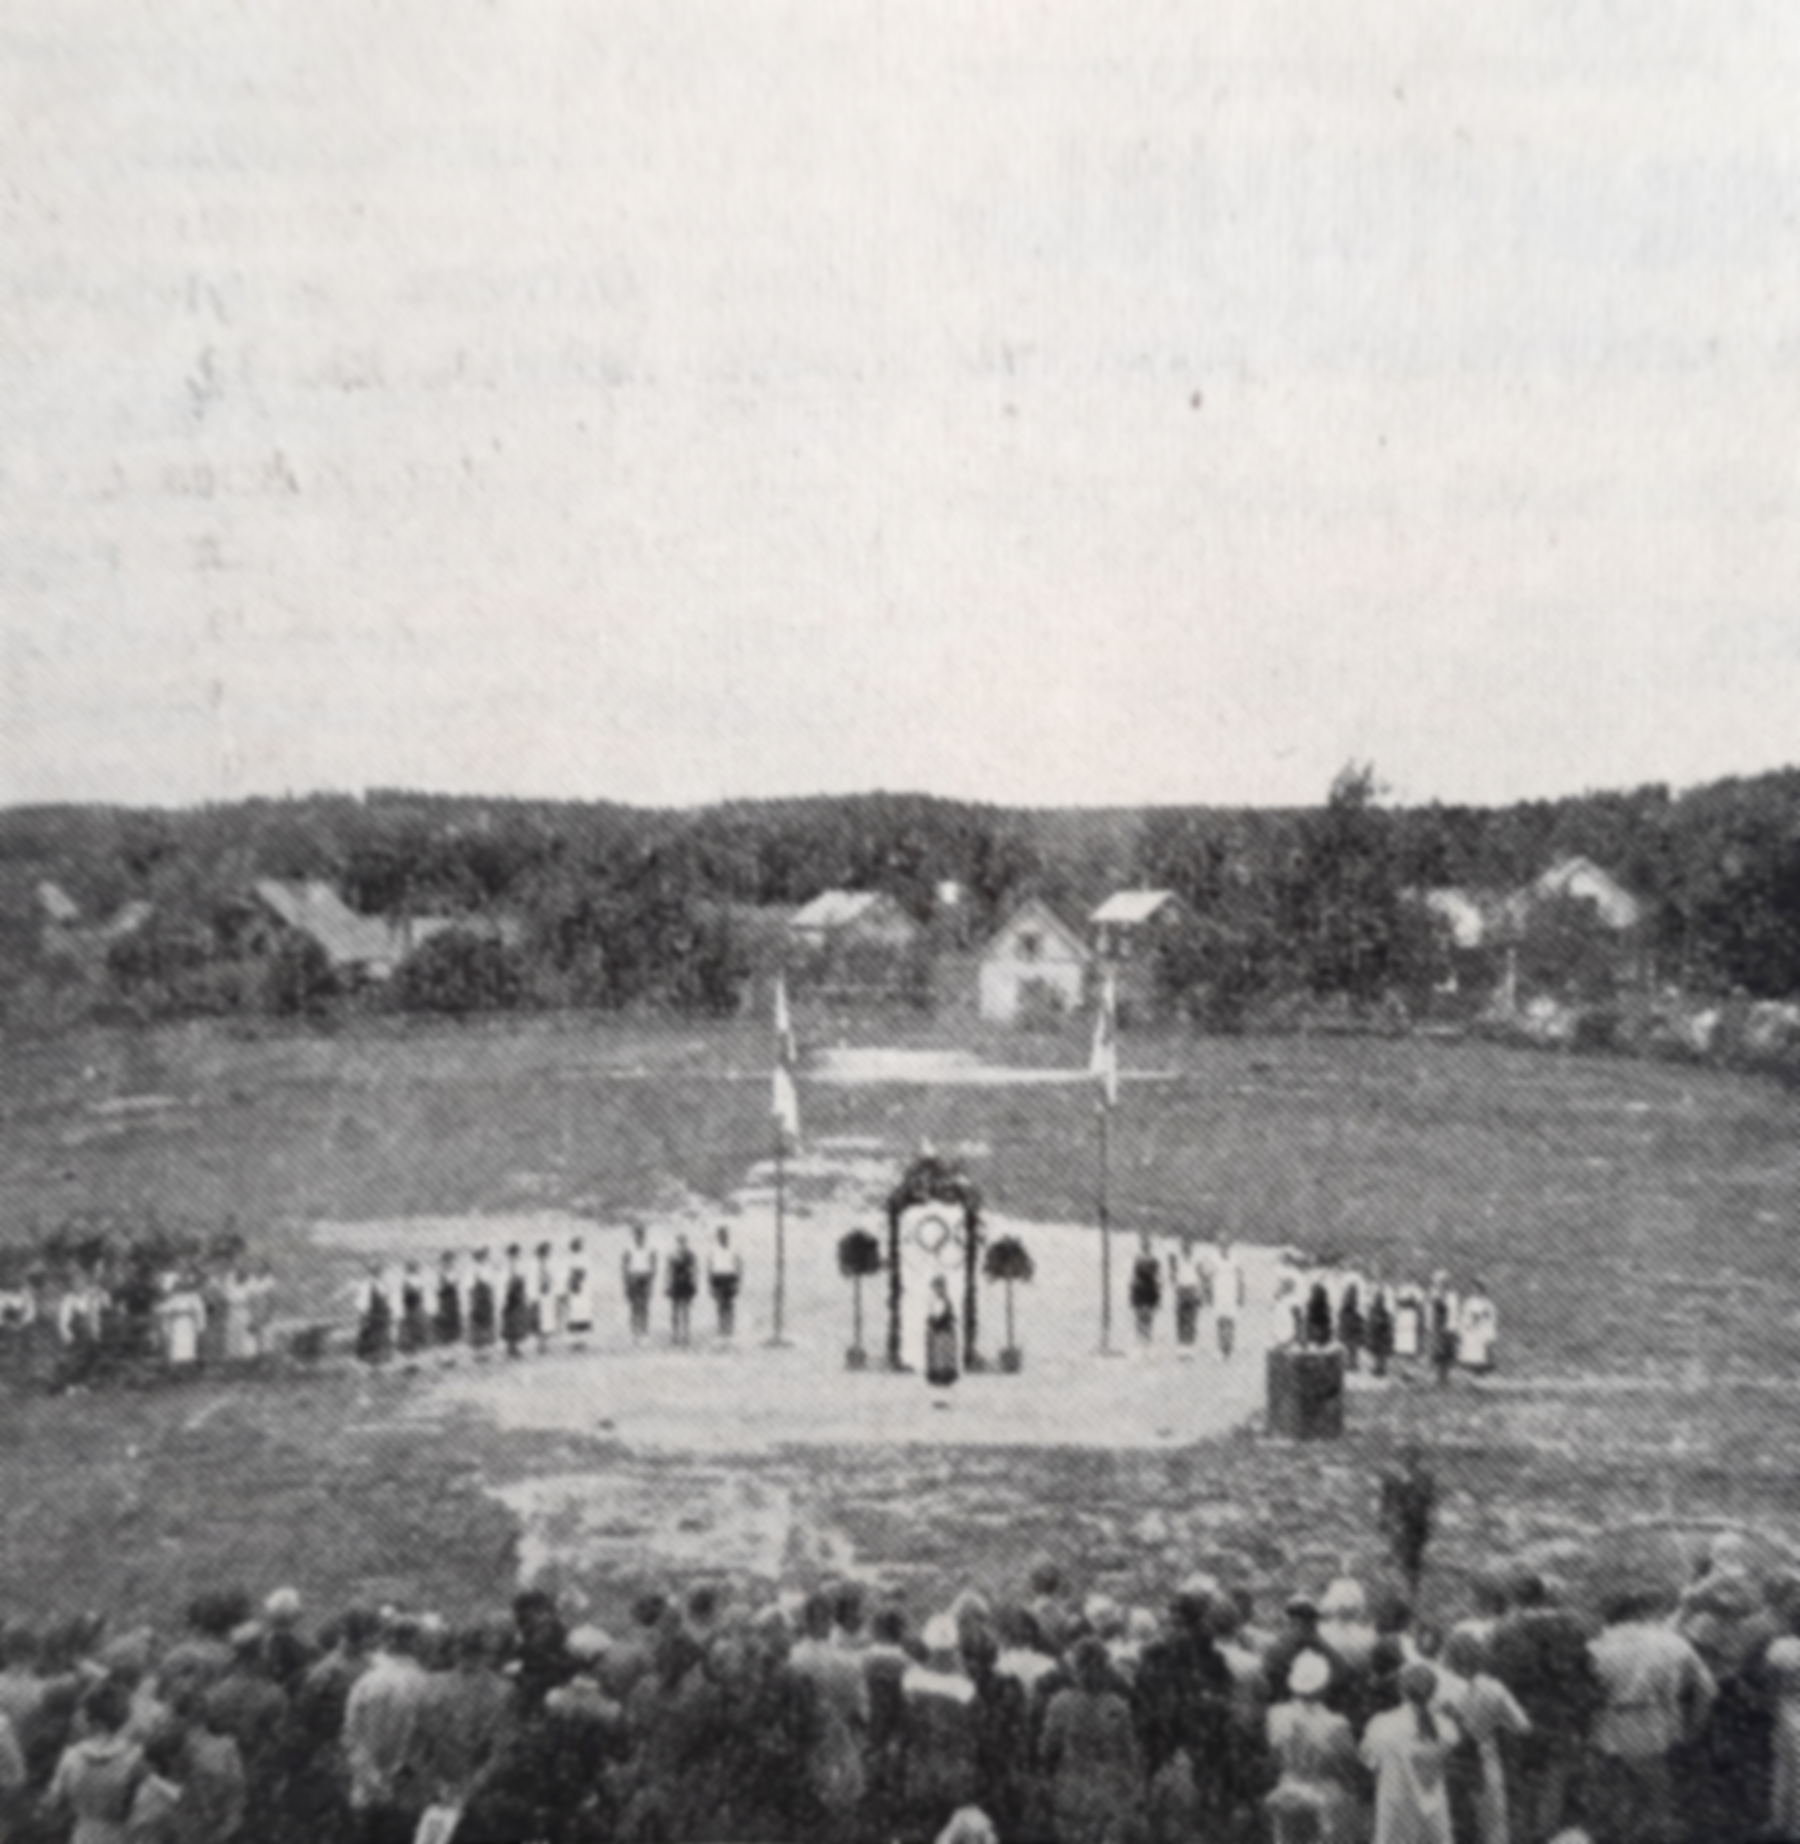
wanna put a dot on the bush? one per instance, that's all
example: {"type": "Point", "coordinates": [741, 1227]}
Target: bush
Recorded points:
{"type": "Point", "coordinates": [458, 972]}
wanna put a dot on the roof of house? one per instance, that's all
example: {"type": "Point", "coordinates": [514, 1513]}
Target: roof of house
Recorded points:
{"type": "Point", "coordinates": [127, 919]}
{"type": "Point", "coordinates": [57, 903]}
{"type": "Point", "coordinates": [1132, 906]}
{"type": "Point", "coordinates": [314, 908]}
{"type": "Point", "coordinates": [1035, 912]}
{"type": "Point", "coordinates": [837, 908]}
{"type": "Point", "coordinates": [1582, 878]}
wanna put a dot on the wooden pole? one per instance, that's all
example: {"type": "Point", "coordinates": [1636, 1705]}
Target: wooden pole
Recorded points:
{"type": "Point", "coordinates": [777, 1337]}
{"type": "Point", "coordinates": [1106, 1343]}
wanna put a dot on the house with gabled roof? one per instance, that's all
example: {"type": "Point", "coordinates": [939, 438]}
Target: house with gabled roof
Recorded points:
{"type": "Point", "coordinates": [1034, 967]}
{"type": "Point", "coordinates": [1127, 932]}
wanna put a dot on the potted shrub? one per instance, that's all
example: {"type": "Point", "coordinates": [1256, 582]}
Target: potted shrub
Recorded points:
{"type": "Point", "coordinates": [1008, 1261]}
{"type": "Point", "coordinates": [859, 1258]}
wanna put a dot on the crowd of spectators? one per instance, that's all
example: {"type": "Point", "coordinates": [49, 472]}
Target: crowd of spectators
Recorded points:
{"type": "Point", "coordinates": [722, 1714]}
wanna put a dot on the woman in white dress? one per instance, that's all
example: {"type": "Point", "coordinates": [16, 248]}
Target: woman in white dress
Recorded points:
{"type": "Point", "coordinates": [1480, 1330]}
{"type": "Point", "coordinates": [181, 1315]}
{"type": "Point", "coordinates": [1409, 1322]}
{"type": "Point", "coordinates": [578, 1278]}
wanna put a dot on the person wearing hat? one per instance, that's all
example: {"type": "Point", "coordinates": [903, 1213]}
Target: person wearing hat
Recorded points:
{"type": "Point", "coordinates": [1408, 1751]}
{"type": "Point", "coordinates": [1314, 1800]}
{"type": "Point", "coordinates": [1304, 1633]}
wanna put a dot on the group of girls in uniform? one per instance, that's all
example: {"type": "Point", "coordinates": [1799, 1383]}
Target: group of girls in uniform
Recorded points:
{"type": "Point", "coordinates": [1387, 1323]}
{"type": "Point", "coordinates": [476, 1303]}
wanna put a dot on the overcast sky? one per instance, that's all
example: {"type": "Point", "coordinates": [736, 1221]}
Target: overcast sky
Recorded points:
{"type": "Point", "coordinates": [1090, 402]}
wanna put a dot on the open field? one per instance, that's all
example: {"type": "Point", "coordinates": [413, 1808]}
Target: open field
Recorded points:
{"type": "Point", "coordinates": [1635, 1222]}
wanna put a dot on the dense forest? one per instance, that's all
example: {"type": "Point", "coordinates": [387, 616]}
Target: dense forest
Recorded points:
{"type": "Point", "coordinates": [615, 906]}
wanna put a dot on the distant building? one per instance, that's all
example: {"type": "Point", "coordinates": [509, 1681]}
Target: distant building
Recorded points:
{"type": "Point", "coordinates": [1035, 966]}
{"type": "Point", "coordinates": [358, 946]}
{"type": "Point", "coordinates": [844, 918]}
{"type": "Point", "coordinates": [1586, 882]}
{"type": "Point", "coordinates": [58, 906]}
{"type": "Point", "coordinates": [857, 945]}
{"type": "Point", "coordinates": [1127, 932]}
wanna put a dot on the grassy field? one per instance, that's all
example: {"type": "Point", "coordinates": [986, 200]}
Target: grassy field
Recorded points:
{"type": "Point", "coordinates": [1635, 1222]}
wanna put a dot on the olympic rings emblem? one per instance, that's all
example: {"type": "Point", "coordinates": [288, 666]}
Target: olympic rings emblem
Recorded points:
{"type": "Point", "coordinates": [933, 1234]}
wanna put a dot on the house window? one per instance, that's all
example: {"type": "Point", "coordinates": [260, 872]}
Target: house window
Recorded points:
{"type": "Point", "coordinates": [1031, 945]}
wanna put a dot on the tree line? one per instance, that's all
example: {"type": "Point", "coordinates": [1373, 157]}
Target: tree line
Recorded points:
{"type": "Point", "coordinates": [615, 906]}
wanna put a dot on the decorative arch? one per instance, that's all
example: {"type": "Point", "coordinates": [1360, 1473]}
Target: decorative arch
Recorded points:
{"type": "Point", "coordinates": [931, 1180]}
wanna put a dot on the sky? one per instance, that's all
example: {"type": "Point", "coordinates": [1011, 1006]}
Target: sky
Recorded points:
{"type": "Point", "coordinates": [1101, 402]}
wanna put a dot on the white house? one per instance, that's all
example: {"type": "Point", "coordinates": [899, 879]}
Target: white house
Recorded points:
{"type": "Point", "coordinates": [1035, 964]}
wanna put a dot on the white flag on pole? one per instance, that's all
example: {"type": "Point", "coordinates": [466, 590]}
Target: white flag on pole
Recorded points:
{"type": "Point", "coordinates": [785, 1052]}
{"type": "Point", "coordinates": [786, 1096]}
{"type": "Point", "coordinates": [1103, 1063]}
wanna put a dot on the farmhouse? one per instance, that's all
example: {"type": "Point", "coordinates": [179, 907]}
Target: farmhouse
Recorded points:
{"type": "Point", "coordinates": [1583, 880]}
{"type": "Point", "coordinates": [1035, 967]}
{"type": "Point", "coordinates": [846, 918]}
{"type": "Point", "coordinates": [1126, 932]}
{"type": "Point", "coordinates": [859, 944]}
{"type": "Point", "coordinates": [365, 947]}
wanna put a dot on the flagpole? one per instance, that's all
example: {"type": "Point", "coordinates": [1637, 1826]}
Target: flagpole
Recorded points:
{"type": "Point", "coordinates": [777, 1337]}
{"type": "Point", "coordinates": [1106, 1344]}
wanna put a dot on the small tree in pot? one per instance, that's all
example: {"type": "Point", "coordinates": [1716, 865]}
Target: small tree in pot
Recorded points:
{"type": "Point", "coordinates": [1008, 1261]}
{"type": "Point", "coordinates": [859, 1258]}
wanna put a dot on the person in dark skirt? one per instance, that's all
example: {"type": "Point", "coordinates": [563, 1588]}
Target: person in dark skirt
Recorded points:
{"type": "Point", "coordinates": [415, 1326]}
{"type": "Point", "coordinates": [1318, 1314]}
{"type": "Point", "coordinates": [375, 1319]}
{"type": "Point", "coordinates": [1380, 1334]}
{"type": "Point", "coordinates": [941, 1367]}
{"type": "Point", "coordinates": [684, 1283]}
{"type": "Point", "coordinates": [447, 1324]}
{"type": "Point", "coordinates": [515, 1306]}
{"type": "Point", "coordinates": [1146, 1288]}
{"type": "Point", "coordinates": [482, 1306]}
{"type": "Point", "coordinates": [1352, 1331]}
{"type": "Point", "coordinates": [1443, 1327]}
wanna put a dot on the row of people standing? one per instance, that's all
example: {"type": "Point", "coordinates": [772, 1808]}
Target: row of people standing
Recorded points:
{"type": "Point", "coordinates": [534, 1297]}
{"type": "Point", "coordinates": [1387, 1322]}
{"type": "Point", "coordinates": [1199, 1278]}
{"type": "Point", "coordinates": [186, 1315]}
